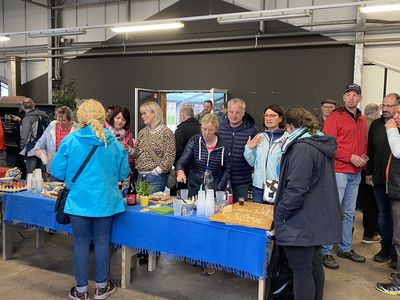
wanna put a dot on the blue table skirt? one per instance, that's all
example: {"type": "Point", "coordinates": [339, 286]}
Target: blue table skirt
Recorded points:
{"type": "Point", "coordinates": [236, 249]}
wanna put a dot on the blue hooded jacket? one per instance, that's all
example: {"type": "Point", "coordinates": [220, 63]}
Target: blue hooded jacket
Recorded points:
{"type": "Point", "coordinates": [95, 193]}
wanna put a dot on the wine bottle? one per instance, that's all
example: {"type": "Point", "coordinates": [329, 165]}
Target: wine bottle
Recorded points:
{"type": "Point", "coordinates": [228, 192]}
{"type": "Point", "coordinates": [131, 196]}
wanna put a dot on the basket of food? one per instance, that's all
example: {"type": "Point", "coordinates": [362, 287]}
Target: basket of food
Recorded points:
{"type": "Point", "coordinates": [160, 198]}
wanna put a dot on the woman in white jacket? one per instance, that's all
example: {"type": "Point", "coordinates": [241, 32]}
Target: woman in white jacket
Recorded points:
{"type": "Point", "coordinates": [263, 152]}
{"type": "Point", "coordinates": [51, 138]}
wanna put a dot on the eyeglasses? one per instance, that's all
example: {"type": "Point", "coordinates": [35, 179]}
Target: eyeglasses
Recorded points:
{"type": "Point", "coordinates": [208, 130]}
{"type": "Point", "coordinates": [386, 105]}
{"type": "Point", "coordinates": [271, 116]}
{"type": "Point", "coordinates": [328, 106]}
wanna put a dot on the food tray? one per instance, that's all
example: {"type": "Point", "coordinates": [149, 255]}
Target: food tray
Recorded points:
{"type": "Point", "coordinates": [167, 201]}
{"type": "Point", "coordinates": [13, 190]}
{"type": "Point", "coordinates": [250, 214]}
{"type": "Point", "coordinates": [49, 194]}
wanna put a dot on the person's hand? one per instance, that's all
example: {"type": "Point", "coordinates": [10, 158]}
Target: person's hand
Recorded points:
{"type": "Point", "coordinates": [368, 180]}
{"type": "Point", "coordinates": [252, 142]}
{"type": "Point", "coordinates": [358, 161]}
{"type": "Point", "coordinates": [391, 123]}
{"type": "Point", "coordinates": [38, 153]}
{"type": "Point", "coordinates": [180, 176]}
{"type": "Point", "coordinates": [16, 118]}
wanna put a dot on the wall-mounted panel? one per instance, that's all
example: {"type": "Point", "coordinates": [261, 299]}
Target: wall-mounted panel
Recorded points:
{"type": "Point", "coordinates": [389, 55]}
{"type": "Point", "coordinates": [372, 85]}
{"type": "Point", "coordinates": [393, 82]}
{"type": "Point", "coordinates": [142, 10]}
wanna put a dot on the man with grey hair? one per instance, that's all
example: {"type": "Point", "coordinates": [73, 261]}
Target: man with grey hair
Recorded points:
{"type": "Point", "coordinates": [236, 130]}
{"type": "Point", "coordinates": [188, 127]}
{"type": "Point", "coordinates": [29, 134]}
{"type": "Point", "coordinates": [378, 153]}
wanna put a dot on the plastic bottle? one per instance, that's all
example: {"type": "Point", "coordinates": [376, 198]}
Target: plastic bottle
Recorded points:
{"type": "Point", "coordinates": [208, 180]}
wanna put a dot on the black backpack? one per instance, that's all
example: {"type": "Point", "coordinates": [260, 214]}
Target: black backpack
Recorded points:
{"type": "Point", "coordinates": [43, 121]}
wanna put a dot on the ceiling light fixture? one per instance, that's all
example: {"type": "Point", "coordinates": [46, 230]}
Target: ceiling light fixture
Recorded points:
{"type": "Point", "coordinates": [148, 27]}
{"type": "Point", "coordinates": [252, 17]}
{"type": "Point", "coordinates": [4, 38]}
{"type": "Point", "coordinates": [379, 8]}
{"type": "Point", "coordinates": [55, 32]}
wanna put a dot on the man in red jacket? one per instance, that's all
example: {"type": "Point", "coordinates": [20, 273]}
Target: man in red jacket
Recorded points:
{"type": "Point", "coordinates": [349, 127]}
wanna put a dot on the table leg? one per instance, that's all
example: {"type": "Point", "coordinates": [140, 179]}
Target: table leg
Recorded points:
{"type": "Point", "coordinates": [152, 263]}
{"type": "Point", "coordinates": [126, 265]}
{"type": "Point", "coordinates": [261, 289]}
{"type": "Point", "coordinates": [8, 235]}
{"type": "Point", "coordinates": [39, 238]}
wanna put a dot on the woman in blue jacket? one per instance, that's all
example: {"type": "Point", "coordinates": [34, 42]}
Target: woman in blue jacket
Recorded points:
{"type": "Point", "coordinates": [94, 198]}
{"type": "Point", "coordinates": [205, 151]}
{"type": "Point", "coordinates": [263, 152]}
{"type": "Point", "coordinates": [307, 211]}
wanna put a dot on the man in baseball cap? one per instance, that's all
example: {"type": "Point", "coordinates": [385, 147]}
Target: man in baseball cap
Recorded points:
{"type": "Point", "coordinates": [349, 127]}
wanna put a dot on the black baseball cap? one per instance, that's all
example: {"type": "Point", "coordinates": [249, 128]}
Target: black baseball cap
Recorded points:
{"type": "Point", "coordinates": [353, 87]}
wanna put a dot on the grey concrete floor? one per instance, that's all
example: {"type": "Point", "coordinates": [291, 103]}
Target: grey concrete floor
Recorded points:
{"type": "Point", "coordinates": [47, 273]}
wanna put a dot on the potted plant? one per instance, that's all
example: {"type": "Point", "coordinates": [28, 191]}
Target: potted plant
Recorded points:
{"type": "Point", "coordinates": [144, 191]}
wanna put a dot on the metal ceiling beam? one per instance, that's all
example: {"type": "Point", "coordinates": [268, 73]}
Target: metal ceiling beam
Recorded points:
{"type": "Point", "coordinates": [86, 4]}
{"type": "Point", "coordinates": [36, 3]}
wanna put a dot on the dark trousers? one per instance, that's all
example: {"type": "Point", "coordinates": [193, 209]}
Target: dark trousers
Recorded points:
{"type": "Point", "coordinates": [308, 273]}
{"type": "Point", "coordinates": [367, 200]}
{"type": "Point", "coordinates": [385, 214]}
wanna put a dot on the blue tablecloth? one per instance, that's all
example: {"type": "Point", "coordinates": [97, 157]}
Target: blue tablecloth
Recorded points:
{"type": "Point", "coordinates": [236, 249]}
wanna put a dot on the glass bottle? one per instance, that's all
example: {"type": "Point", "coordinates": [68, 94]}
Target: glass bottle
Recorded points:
{"type": "Point", "coordinates": [228, 192]}
{"type": "Point", "coordinates": [208, 179]}
{"type": "Point", "coordinates": [131, 196]}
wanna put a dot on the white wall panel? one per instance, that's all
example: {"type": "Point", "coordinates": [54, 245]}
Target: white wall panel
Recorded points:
{"type": "Point", "coordinates": [372, 85]}
{"type": "Point", "coordinates": [389, 55]}
{"type": "Point", "coordinates": [142, 9]}
{"type": "Point", "coordinates": [393, 82]}
{"type": "Point", "coordinates": [249, 4]}
{"type": "Point", "coordinates": [32, 69]}
{"type": "Point", "coordinates": [14, 20]}
{"type": "Point", "coordinates": [3, 66]}
{"type": "Point", "coordinates": [36, 18]}
{"type": "Point", "coordinates": [165, 3]}
{"type": "Point", "coordinates": [68, 17]}
{"type": "Point", "coordinates": [92, 16]}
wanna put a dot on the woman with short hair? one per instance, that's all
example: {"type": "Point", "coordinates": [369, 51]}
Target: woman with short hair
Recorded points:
{"type": "Point", "coordinates": [155, 151]}
{"type": "Point", "coordinates": [205, 151]}
{"type": "Point", "coordinates": [307, 211]}
{"type": "Point", "coordinates": [51, 138]}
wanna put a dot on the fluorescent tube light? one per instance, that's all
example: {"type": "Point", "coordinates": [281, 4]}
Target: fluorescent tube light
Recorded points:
{"type": "Point", "coordinates": [55, 32]}
{"type": "Point", "coordinates": [379, 8]}
{"type": "Point", "coordinates": [262, 17]}
{"type": "Point", "coordinates": [4, 38]}
{"type": "Point", "coordinates": [148, 27]}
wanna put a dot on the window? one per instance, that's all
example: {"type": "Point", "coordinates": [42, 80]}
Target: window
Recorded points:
{"type": "Point", "coordinates": [4, 89]}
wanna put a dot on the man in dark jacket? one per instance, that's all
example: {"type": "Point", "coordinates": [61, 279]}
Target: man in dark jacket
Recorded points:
{"type": "Point", "coordinates": [236, 131]}
{"type": "Point", "coordinates": [188, 127]}
{"type": "Point", "coordinates": [28, 133]}
{"type": "Point", "coordinates": [378, 153]}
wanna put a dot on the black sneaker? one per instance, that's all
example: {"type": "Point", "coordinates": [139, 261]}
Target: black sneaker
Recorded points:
{"type": "Point", "coordinates": [395, 277]}
{"type": "Point", "coordinates": [329, 262]}
{"type": "Point", "coordinates": [352, 255]}
{"type": "Point", "coordinates": [75, 295]}
{"type": "Point", "coordinates": [393, 264]}
{"type": "Point", "coordinates": [388, 288]}
{"type": "Point", "coordinates": [103, 293]}
{"type": "Point", "coordinates": [383, 255]}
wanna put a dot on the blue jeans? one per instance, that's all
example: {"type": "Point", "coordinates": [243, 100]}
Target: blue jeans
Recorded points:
{"type": "Point", "coordinates": [240, 191]}
{"type": "Point", "coordinates": [83, 229]}
{"type": "Point", "coordinates": [258, 195]}
{"type": "Point", "coordinates": [385, 221]}
{"type": "Point", "coordinates": [348, 188]}
{"type": "Point", "coordinates": [157, 182]}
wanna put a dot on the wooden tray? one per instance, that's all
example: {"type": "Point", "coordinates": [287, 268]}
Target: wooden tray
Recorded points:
{"type": "Point", "coordinates": [47, 194]}
{"type": "Point", "coordinates": [166, 202]}
{"type": "Point", "coordinates": [250, 215]}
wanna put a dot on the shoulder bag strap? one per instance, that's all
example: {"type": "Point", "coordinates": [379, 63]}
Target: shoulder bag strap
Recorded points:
{"type": "Point", "coordinates": [84, 164]}
{"type": "Point", "coordinates": [153, 155]}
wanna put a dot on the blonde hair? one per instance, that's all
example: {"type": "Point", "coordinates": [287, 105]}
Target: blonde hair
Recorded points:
{"type": "Point", "coordinates": [153, 107]}
{"type": "Point", "coordinates": [91, 112]}
{"type": "Point", "coordinates": [210, 118]}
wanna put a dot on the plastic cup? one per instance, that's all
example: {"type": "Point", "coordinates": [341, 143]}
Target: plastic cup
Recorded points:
{"type": "Point", "coordinates": [184, 193]}
{"type": "Point", "coordinates": [29, 182]}
{"type": "Point", "coordinates": [177, 207]}
{"type": "Point", "coordinates": [220, 196]}
{"type": "Point", "coordinates": [144, 201]}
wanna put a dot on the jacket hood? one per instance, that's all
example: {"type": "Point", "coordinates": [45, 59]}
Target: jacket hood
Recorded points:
{"type": "Point", "coordinates": [88, 136]}
{"type": "Point", "coordinates": [325, 143]}
{"type": "Point", "coordinates": [248, 120]}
